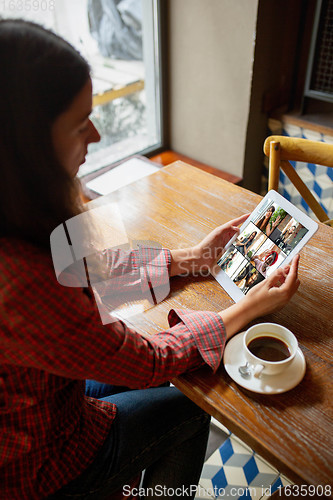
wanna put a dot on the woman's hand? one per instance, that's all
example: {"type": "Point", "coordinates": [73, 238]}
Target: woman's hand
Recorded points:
{"type": "Point", "coordinates": [274, 292]}
{"type": "Point", "coordinates": [271, 295]}
{"type": "Point", "coordinates": [200, 258]}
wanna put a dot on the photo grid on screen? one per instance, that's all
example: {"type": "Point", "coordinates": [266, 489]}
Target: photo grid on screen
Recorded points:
{"type": "Point", "coordinates": [262, 246]}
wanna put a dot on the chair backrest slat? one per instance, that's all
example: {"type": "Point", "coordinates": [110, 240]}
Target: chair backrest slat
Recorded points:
{"type": "Point", "coordinates": [293, 148]}
{"type": "Point", "coordinates": [280, 149]}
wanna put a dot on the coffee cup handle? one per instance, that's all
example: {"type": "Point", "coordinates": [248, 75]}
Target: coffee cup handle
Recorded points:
{"type": "Point", "coordinates": [258, 370]}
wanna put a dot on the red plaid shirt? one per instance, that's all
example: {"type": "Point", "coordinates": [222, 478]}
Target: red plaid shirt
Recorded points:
{"type": "Point", "coordinates": [52, 339]}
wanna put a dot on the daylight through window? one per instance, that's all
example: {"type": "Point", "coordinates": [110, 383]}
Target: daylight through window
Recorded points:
{"type": "Point", "coordinates": [120, 39]}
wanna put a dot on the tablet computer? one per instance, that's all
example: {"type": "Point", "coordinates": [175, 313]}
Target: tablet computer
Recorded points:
{"type": "Point", "coordinates": [274, 232]}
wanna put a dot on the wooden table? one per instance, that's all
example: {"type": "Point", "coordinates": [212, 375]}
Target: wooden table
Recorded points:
{"type": "Point", "coordinates": [178, 206]}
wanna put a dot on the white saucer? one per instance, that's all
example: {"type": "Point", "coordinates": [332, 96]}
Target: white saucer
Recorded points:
{"type": "Point", "coordinates": [234, 357]}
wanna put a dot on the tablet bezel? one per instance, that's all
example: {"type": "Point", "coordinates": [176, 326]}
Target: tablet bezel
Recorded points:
{"type": "Point", "coordinates": [300, 217]}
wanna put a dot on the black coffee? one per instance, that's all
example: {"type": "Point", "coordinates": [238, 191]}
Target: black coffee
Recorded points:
{"type": "Point", "coordinates": [269, 348]}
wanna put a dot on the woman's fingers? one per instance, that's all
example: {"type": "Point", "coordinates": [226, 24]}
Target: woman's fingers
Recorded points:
{"type": "Point", "coordinates": [239, 220]}
{"type": "Point", "coordinates": [294, 265]}
{"type": "Point", "coordinates": [274, 292]}
{"type": "Point", "coordinates": [293, 272]}
{"type": "Point", "coordinates": [277, 278]}
{"type": "Point", "coordinates": [232, 224]}
{"type": "Point", "coordinates": [286, 277]}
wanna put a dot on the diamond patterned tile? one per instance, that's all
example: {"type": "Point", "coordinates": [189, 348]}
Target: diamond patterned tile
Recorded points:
{"type": "Point", "coordinates": [266, 473]}
{"type": "Point", "coordinates": [329, 206]}
{"type": "Point", "coordinates": [318, 181]}
{"type": "Point", "coordinates": [240, 445]}
{"type": "Point", "coordinates": [326, 196]}
{"type": "Point", "coordinates": [235, 476]}
{"type": "Point", "coordinates": [291, 190]}
{"type": "Point", "coordinates": [206, 485]}
{"type": "Point", "coordinates": [285, 193]}
{"type": "Point", "coordinates": [312, 168]}
{"type": "Point", "coordinates": [328, 138]}
{"type": "Point", "coordinates": [303, 205]}
{"type": "Point", "coordinates": [215, 460]}
{"type": "Point", "coordinates": [324, 180]}
{"type": "Point", "coordinates": [280, 481]}
{"type": "Point", "coordinates": [304, 171]}
{"type": "Point", "coordinates": [317, 189]}
{"type": "Point", "coordinates": [330, 172]}
{"type": "Point", "coordinates": [292, 130]}
{"type": "Point", "coordinates": [252, 493]}
{"type": "Point", "coordinates": [283, 178]}
{"type": "Point", "coordinates": [235, 453]}
{"type": "Point", "coordinates": [251, 470]}
{"type": "Point", "coordinates": [226, 451]}
{"type": "Point", "coordinates": [312, 135]}
{"type": "Point", "coordinates": [238, 493]}
{"type": "Point", "coordinates": [219, 480]}
{"type": "Point", "coordinates": [203, 494]}
{"type": "Point", "coordinates": [234, 470]}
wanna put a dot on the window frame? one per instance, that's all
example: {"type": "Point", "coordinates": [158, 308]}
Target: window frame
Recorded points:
{"type": "Point", "coordinates": [308, 91]}
{"type": "Point", "coordinates": [160, 22]}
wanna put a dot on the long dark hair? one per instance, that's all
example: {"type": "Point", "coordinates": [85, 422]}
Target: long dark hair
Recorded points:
{"type": "Point", "coordinates": [260, 222]}
{"type": "Point", "coordinates": [40, 75]}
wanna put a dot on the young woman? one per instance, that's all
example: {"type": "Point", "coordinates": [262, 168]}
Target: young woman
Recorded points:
{"type": "Point", "coordinates": [262, 223]}
{"type": "Point", "coordinates": [265, 223]}
{"type": "Point", "coordinates": [55, 440]}
{"type": "Point", "coordinates": [243, 244]}
{"type": "Point", "coordinates": [264, 260]}
{"type": "Point", "coordinates": [288, 235]}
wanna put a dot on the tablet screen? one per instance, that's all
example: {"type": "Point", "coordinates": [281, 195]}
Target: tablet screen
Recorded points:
{"type": "Point", "coordinates": [274, 232]}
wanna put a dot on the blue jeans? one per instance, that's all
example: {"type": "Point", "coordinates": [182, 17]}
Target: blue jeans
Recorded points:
{"type": "Point", "coordinates": [157, 430]}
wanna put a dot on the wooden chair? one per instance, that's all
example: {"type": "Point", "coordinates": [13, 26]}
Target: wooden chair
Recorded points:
{"type": "Point", "coordinates": [280, 149]}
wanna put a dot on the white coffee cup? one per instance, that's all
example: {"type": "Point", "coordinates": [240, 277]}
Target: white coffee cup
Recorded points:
{"type": "Point", "coordinates": [269, 348]}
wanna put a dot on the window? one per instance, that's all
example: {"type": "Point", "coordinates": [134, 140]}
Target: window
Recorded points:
{"type": "Point", "coordinates": [319, 81]}
{"type": "Point", "coordinates": [121, 41]}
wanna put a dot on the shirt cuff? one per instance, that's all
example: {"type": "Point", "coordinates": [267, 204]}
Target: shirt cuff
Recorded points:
{"type": "Point", "coordinates": [208, 331]}
{"type": "Point", "coordinates": [154, 266]}
{"type": "Point", "coordinates": [137, 274]}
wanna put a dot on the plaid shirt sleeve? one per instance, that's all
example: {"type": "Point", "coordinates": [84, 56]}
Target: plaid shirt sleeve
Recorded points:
{"type": "Point", "coordinates": [208, 332]}
{"type": "Point", "coordinates": [52, 339]}
{"type": "Point", "coordinates": [132, 275]}
{"type": "Point", "coordinates": [58, 329]}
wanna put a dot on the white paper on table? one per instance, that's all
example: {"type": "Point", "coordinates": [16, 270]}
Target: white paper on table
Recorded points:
{"type": "Point", "coordinates": [129, 171]}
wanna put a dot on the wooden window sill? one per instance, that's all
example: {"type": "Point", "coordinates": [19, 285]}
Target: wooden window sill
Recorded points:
{"type": "Point", "coordinates": [167, 157]}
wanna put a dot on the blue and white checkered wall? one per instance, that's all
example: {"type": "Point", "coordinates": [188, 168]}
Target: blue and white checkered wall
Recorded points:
{"type": "Point", "coordinates": [318, 178]}
{"type": "Point", "coordinates": [236, 472]}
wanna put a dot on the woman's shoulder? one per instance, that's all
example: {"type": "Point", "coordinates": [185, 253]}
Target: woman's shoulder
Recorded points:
{"type": "Point", "coordinates": [24, 264]}
{"type": "Point", "coordinates": [16, 249]}
{"type": "Point", "coordinates": [21, 260]}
